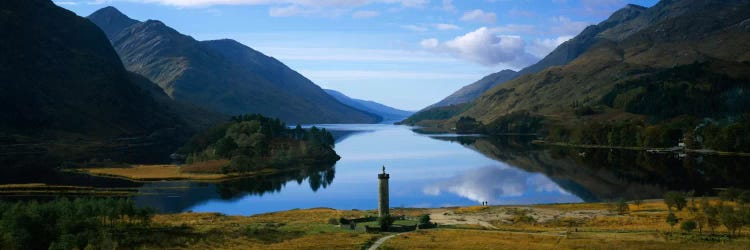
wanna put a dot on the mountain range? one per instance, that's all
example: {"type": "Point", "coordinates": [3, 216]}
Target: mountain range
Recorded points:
{"type": "Point", "coordinates": [222, 75]}
{"type": "Point", "coordinates": [388, 114]}
{"type": "Point", "coordinates": [679, 58]}
{"type": "Point", "coordinates": [566, 52]}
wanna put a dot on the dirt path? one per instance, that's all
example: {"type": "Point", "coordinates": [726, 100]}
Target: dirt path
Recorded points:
{"type": "Point", "coordinates": [381, 241]}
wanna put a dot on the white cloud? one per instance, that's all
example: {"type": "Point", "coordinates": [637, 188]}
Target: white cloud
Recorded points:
{"type": "Point", "coordinates": [416, 28]}
{"type": "Point", "coordinates": [431, 43]}
{"type": "Point", "coordinates": [65, 3]}
{"type": "Point", "coordinates": [484, 46]}
{"type": "Point", "coordinates": [352, 55]}
{"type": "Point", "coordinates": [515, 29]}
{"type": "Point", "coordinates": [479, 16]}
{"type": "Point", "coordinates": [354, 75]}
{"type": "Point", "coordinates": [365, 14]}
{"type": "Point", "coordinates": [291, 10]}
{"type": "Point", "coordinates": [446, 26]}
{"type": "Point", "coordinates": [409, 3]}
{"type": "Point", "coordinates": [448, 5]}
{"type": "Point", "coordinates": [315, 3]}
{"type": "Point", "coordinates": [542, 47]}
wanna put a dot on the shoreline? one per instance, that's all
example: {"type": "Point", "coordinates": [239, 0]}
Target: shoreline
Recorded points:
{"type": "Point", "coordinates": [650, 150]}
{"type": "Point", "coordinates": [166, 172]}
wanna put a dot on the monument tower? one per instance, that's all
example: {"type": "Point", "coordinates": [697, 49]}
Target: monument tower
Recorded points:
{"type": "Point", "coordinates": [383, 193]}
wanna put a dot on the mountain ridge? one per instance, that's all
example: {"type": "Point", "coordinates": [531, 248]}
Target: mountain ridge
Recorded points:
{"type": "Point", "coordinates": [688, 64]}
{"type": "Point", "coordinates": [65, 95]}
{"type": "Point", "coordinates": [386, 112]}
{"type": "Point", "coordinates": [204, 74]}
{"type": "Point", "coordinates": [562, 54]}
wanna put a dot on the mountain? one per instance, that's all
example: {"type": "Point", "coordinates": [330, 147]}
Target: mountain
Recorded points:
{"type": "Point", "coordinates": [470, 92]}
{"type": "Point", "coordinates": [65, 92]}
{"type": "Point", "coordinates": [221, 75]}
{"type": "Point", "coordinates": [610, 29]}
{"type": "Point", "coordinates": [680, 59]}
{"type": "Point", "coordinates": [386, 112]}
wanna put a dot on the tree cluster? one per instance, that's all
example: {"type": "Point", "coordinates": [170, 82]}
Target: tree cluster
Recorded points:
{"type": "Point", "coordinates": [68, 224]}
{"type": "Point", "coordinates": [252, 142]}
{"type": "Point", "coordinates": [711, 216]}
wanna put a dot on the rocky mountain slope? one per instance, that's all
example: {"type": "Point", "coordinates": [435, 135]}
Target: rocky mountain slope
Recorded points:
{"type": "Point", "coordinates": [705, 39]}
{"type": "Point", "coordinates": [645, 81]}
{"type": "Point", "coordinates": [222, 75]}
{"type": "Point", "coordinates": [613, 28]}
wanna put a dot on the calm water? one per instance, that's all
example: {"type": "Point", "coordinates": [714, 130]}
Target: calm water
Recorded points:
{"type": "Point", "coordinates": [443, 170]}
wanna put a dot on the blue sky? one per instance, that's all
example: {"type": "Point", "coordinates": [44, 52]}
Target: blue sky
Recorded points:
{"type": "Point", "coordinates": [404, 53]}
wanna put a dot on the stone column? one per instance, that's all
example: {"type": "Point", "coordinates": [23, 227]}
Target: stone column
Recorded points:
{"type": "Point", "coordinates": [383, 207]}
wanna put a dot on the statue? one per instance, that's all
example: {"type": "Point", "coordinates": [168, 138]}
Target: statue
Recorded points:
{"type": "Point", "coordinates": [384, 169]}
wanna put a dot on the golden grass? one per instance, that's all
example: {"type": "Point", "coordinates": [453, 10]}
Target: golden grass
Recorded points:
{"type": "Point", "coordinates": [153, 172]}
{"type": "Point", "coordinates": [297, 229]}
{"type": "Point", "coordinates": [210, 166]}
{"type": "Point", "coordinates": [482, 239]}
{"type": "Point", "coordinates": [470, 209]}
{"type": "Point", "coordinates": [643, 228]}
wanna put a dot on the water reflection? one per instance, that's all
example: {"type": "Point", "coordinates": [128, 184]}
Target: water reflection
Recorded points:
{"type": "Point", "coordinates": [183, 195]}
{"type": "Point", "coordinates": [497, 185]}
{"type": "Point", "coordinates": [434, 170]}
{"type": "Point", "coordinates": [604, 174]}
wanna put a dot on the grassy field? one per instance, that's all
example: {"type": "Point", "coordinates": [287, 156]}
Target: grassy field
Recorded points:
{"type": "Point", "coordinates": [558, 226]}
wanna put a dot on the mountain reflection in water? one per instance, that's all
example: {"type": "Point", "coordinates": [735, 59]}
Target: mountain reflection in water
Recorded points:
{"type": "Point", "coordinates": [608, 174]}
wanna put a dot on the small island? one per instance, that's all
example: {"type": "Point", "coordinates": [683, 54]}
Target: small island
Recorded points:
{"type": "Point", "coordinates": [248, 145]}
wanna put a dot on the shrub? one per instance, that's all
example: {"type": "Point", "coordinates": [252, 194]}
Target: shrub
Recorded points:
{"type": "Point", "coordinates": [744, 197]}
{"type": "Point", "coordinates": [385, 222]}
{"type": "Point", "coordinates": [424, 219]}
{"type": "Point", "coordinates": [675, 199]}
{"type": "Point", "coordinates": [688, 226]}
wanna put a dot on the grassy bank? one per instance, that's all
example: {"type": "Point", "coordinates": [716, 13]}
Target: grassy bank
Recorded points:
{"type": "Point", "coordinates": [558, 226]}
{"type": "Point", "coordinates": [40, 189]}
{"type": "Point", "coordinates": [555, 226]}
{"type": "Point", "coordinates": [166, 172]}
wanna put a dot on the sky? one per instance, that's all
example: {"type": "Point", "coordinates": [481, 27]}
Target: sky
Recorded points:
{"type": "Point", "coordinates": [406, 54]}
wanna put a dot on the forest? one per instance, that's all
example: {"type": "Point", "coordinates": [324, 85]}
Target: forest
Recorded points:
{"type": "Point", "coordinates": [73, 224]}
{"type": "Point", "coordinates": [252, 142]}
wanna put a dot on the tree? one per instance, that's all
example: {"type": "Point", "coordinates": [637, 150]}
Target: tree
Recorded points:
{"type": "Point", "coordinates": [730, 194]}
{"type": "Point", "coordinates": [688, 226]}
{"type": "Point", "coordinates": [241, 163]}
{"type": "Point", "coordinates": [712, 217]}
{"type": "Point", "coordinates": [225, 147]}
{"type": "Point", "coordinates": [675, 199]}
{"type": "Point", "coordinates": [701, 220]}
{"type": "Point", "coordinates": [672, 220]}
{"type": "Point", "coordinates": [424, 219]}
{"type": "Point", "coordinates": [731, 219]}
{"type": "Point", "coordinates": [622, 207]}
